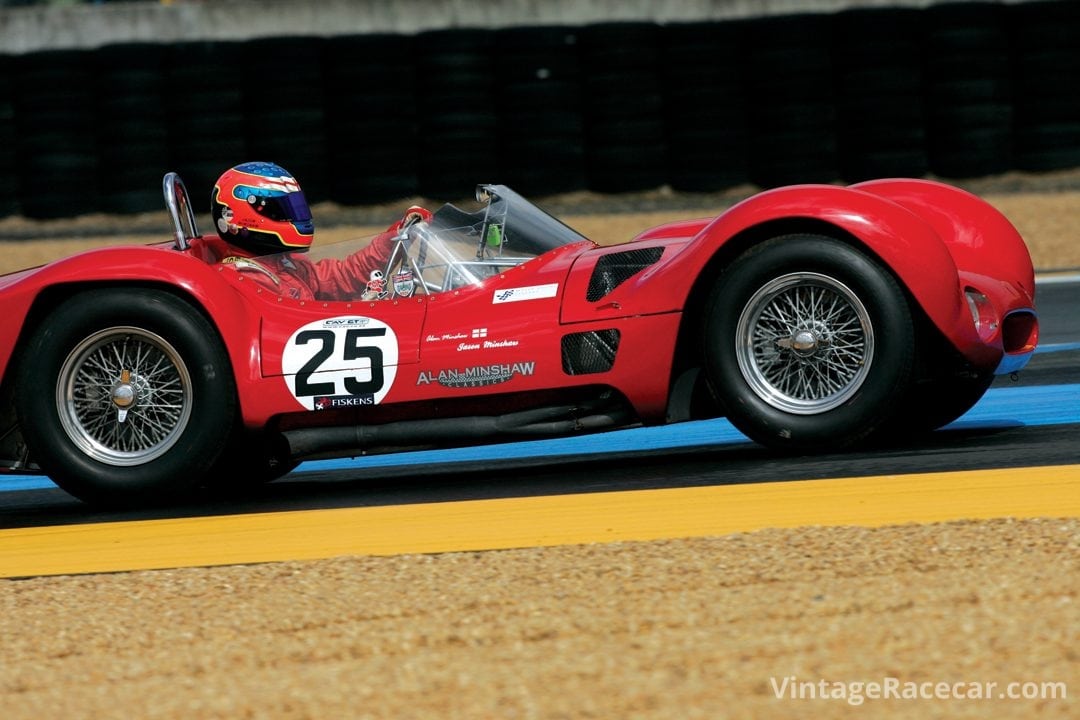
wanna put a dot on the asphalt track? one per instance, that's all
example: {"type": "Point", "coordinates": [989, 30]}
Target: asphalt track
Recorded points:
{"type": "Point", "coordinates": [1015, 454]}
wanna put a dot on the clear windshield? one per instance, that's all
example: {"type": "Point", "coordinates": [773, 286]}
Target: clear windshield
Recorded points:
{"type": "Point", "coordinates": [460, 247]}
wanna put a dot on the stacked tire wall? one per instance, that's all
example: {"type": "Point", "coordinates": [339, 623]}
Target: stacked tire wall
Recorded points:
{"type": "Point", "coordinates": [954, 90]}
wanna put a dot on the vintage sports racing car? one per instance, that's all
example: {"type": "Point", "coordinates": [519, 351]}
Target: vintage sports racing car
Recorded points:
{"type": "Point", "coordinates": [813, 317]}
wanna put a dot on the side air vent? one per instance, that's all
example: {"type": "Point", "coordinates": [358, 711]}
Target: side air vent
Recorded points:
{"type": "Point", "coordinates": [589, 352]}
{"type": "Point", "coordinates": [613, 270]}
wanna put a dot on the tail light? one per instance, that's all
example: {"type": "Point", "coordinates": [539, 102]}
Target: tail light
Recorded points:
{"type": "Point", "coordinates": [982, 312]}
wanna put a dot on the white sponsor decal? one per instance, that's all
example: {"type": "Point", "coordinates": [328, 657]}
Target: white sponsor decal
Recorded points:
{"type": "Point", "coordinates": [531, 292]}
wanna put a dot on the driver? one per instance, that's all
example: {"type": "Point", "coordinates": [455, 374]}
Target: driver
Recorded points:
{"type": "Point", "coordinates": [264, 223]}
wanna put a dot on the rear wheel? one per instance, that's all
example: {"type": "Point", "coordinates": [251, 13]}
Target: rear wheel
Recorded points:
{"type": "Point", "coordinates": [126, 396]}
{"type": "Point", "coordinates": [809, 343]}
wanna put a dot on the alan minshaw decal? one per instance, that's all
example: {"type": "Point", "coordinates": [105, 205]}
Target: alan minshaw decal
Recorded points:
{"type": "Point", "coordinates": [478, 376]}
{"type": "Point", "coordinates": [339, 362]}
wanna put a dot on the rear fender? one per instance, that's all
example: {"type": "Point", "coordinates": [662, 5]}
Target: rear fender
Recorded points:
{"type": "Point", "coordinates": [34, 294]}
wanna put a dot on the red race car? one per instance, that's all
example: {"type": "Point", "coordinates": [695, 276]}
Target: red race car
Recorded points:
{"type": "Point", "coordinates": [813, 317]}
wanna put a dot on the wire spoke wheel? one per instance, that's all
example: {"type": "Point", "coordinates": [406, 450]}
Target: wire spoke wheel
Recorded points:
{"type": "Point", "coordinates": [804, 343]}
{"type": "Point", "coordinates": [124, 396]}
{"type": "Point", "coordinates": [796, 345]}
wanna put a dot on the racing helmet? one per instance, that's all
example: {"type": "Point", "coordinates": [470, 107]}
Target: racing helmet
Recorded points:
{"type": "Point", "coordinates": [259, 207]}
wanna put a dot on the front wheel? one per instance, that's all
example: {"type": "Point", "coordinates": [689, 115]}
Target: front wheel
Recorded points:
{"type": "Point", "coordinates": [125, 396]}
{"type": "Point", "coordinates": [809, 343]}
{"type": "Point", "coordinates": [935, 403]}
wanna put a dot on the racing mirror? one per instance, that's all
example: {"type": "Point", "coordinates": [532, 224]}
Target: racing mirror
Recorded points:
{"type": "Point", "coordinates": [182, 215]}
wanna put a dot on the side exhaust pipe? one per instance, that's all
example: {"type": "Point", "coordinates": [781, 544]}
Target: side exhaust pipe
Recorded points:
{"type": "Point", "coordinates": [526, 424]}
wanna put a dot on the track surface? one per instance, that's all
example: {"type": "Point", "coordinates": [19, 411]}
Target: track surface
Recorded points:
{"type": "Point", "coordinates": [1028, 423]}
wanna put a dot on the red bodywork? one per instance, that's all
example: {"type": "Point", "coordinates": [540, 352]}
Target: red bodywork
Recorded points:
{"type": "Point", "coordinates": [938, 241]}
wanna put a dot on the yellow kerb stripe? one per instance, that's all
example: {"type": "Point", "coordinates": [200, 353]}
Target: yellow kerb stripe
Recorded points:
{"type": "Point", "coordinates": [539, 521]}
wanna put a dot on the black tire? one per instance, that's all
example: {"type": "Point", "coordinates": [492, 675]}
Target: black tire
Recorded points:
{"type": "Point", "coordinates": [867, 340]}
{"type": "Point", "coordinates": [181, 409]}
{"type": "Point", "coordinates": [934, 404]}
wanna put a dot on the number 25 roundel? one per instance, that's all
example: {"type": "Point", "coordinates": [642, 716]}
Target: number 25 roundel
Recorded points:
{"type": "Point", "coordinates": [340, 362]}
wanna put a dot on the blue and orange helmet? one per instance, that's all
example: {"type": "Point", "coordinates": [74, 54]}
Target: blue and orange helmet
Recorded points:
{"type": "Point", "coordinates": [260, 207]}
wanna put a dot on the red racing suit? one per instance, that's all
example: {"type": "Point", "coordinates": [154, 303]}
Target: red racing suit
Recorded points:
{"type": "Point", "coordinates": [293, 275]}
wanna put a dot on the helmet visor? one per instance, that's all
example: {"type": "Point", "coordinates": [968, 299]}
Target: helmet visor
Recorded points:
{"type": "Point", "coordinates": [290, 207]}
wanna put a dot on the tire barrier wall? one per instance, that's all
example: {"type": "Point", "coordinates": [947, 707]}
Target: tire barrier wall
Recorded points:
{"type": "Point", "coordinates": [955, 90]}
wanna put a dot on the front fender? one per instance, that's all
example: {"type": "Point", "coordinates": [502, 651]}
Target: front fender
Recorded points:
{"type": "Point", "coordinates": [980, 238]}
{"type": "Point", "coordinates": [903, 240]}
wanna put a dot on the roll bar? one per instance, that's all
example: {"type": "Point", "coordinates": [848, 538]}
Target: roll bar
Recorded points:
{"type": "Point", "coordinates": [179, 206]}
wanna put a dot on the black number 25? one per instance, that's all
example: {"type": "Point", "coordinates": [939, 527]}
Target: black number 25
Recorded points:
{"type": "Point", "coordinates": [354, 350]}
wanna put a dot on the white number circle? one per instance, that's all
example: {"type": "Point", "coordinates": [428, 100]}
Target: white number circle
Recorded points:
{"type": "Point", "coordinates": [340, 362]}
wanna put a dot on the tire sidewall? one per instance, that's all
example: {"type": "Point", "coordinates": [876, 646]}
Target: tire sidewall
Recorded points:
{"type": "Point", "coordinates": [891, 364]}
{"type": "Point", "coordinates": [212, 396]}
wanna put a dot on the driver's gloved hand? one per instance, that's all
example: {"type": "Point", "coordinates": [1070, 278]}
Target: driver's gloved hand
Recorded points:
{"type": "Point", "coordinates": [412, 216]}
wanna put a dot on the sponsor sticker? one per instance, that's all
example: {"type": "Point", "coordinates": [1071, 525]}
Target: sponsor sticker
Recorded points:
{"type": "Point", "coordinates": [520, 294]}
{"type": "Point", "coordinates": [477, 376]}
{"type": "Point", "coordinates": [376, 287]}
{"type": "Point", "coordinates": [346, 322]}
{"type": "Point", "coordinates": [403, 283]}
{"type": "Point", "coordinates": [332, 402]}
